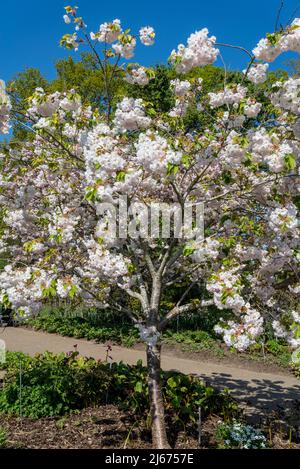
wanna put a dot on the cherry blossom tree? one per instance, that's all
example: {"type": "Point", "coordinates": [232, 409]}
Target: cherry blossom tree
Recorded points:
{"type": "Point", "coordinates": [64, 194]}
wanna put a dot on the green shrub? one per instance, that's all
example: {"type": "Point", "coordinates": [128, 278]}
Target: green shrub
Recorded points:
{"type": "Point", "coordinates": [79, 328]}
{"type": "Point", "coordinates": [274, 347]}
{"type": "Point", "coordinates": [53, 385]}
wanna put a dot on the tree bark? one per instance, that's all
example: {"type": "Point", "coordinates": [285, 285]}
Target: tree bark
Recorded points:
{"type": "Point", "coordinates": [158, 425]}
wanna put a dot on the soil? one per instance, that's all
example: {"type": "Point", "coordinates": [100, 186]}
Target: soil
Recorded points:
{"type": "Point", "coordinates": [105, 427]}
{"type": "Point", "coordinates": [93, 428]}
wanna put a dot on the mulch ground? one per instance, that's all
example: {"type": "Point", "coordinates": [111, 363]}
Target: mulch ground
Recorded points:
{"type": "Point", "coordinates": [93, 428]}
{"type": "Point", "coordinates": [103, 427]}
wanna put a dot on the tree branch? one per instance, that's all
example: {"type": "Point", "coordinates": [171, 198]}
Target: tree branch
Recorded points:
{"type": "Point", "coordinates": [177, 310]}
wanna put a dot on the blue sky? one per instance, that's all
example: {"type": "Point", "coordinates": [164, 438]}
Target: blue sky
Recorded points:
{"type": "Point", "coordinates": [30, 30]}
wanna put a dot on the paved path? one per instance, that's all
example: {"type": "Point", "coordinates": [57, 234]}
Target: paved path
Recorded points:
{"type": "Point", "coordinates": [259, 391]}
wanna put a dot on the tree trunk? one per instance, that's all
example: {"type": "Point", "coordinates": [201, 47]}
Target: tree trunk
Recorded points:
{"type": "Point", "coordinates": [158, 426]}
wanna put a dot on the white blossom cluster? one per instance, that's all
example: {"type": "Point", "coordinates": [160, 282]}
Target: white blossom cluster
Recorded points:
{"type": "Point", "coordinates": [24, 287]}
{"type": "Point", "coordinates": [147, 35]}
{"type": "Point", "coordinates": [209, 248]}
{"type": "Point", "coordinates": [123, 43]}
{"type": "Point", "coordinates": [126, 47]}
{"type": "Point", "coordinates": [286, 95]}
{"type": "Point", "coordinates": [243, 334]}
{"type": "Point", "coordinates": [45, 106]}
{"type": "Point", "coordinates": [180, 87]}
{"type": "Point", "coordinates": [182, 91]}
{"type": "Point", "coordinates": [104, 159]}
{"type": "Point", "coordinates": [130, 115]}
{"type": "Point", "coordinates": [106, 264]}
{"type": "Point", "coordinates": [233, 154]}
{"type": "Point", "coordinates": [108, 32]}
{"type": "Point", "coordinates": [266, 147]}
{"type": "Point", "coordinates": [231, 120]}
{"type": "Point", "coordinates": [228, 96]}
{"type": "Point", "coordinates": [252, 109]}
{"type": "Point", "coordinates": [137, 76]}
{"type": "Point", "coordinates": [67, 286]}
{"type": "Point", "coordinates": [199, 51]}
{"type": "Point", "coordinates": [284, 219]}
{"type": "Point", "coordinates": [63, 224]}
{"type": "Point", "coordinates": [291, 335]}
{"type": "Point", "coordinates": [269, 48]}
{"type": "Point", "coordinates": [226, 287]}
{"type": "Point", "coordinates": [72, 41]}
{"type": "Point", "coordinates": [154, 153]}
{"type": "Point", "coordinates": [5, 108]}
{"type": "Point", "coordinates": [67, 19]}
{"type": "Point", "coordinates": [15, 219]}
{"type": "Point", "coordinates": [180, 108]}
{"type": "Point", "coordinates": [257, 73]}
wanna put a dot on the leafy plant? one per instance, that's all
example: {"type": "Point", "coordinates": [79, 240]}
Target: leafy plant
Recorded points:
{"type": "Point", "coordinates": [53, 385]}
{"type": "Point", "coordinates": [79, 327]}
{"type": "Point", "coordinates": [50, 385]}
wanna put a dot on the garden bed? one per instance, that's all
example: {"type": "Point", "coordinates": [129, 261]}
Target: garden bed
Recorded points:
{"type": "Point", "coordinates": [106, 427]}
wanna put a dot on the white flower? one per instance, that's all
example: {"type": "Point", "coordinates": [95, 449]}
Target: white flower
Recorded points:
{"type": "Point", "coordinates": [180, 87]}
{"type": "Point", "coordinates": [5, 107]}
{"type": "Point", "coordinates": [130, 115]}
{"type": "Point", "coordinates": [200, 51]}
{"type": "Point", "coordinates": [284, 218]}
{"type": "Point", "coordinates": [137, 76]}
{"type": "Point", "coordinates": [125, 48]}
{"type": "Point", "coordinates": [227, 96]}
{"type": "Point", "coordinates": [147, 35]}
{"type": "Point", "coordinates": [67, 19]}
{"type": "Point", "coordinates": [108, 32]}
{"type": "Point", "coordinates": [268, 49]}
{"type": "Point", "coordinates": [257, 73]}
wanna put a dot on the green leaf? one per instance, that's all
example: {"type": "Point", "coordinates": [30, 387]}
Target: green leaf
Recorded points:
{"type": "Point", "coordinates": [121, 176]}
{"type": "Point", "coordinates": [172, 169]}
{"type": "Point", "coordinates": [138, 387]}
{"type": "Point", "coordinates": [73, 291]}
{"type": "Point", "coordinates": [171, 382]}
{"type": "Point", "coordinates": [290, 161]}
{"type": "Point", "coordinates": [188, 250]}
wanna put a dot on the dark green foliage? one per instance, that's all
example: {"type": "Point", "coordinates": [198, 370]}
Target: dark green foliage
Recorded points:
{"type": "Point", "coordinates": [21, 87]}
{"type": "Point", "coordinates": [51, 384]}
{"type": "Point", "coordinates": [86, 78]}
{"type": "Point", "coordinates": [79, 327]}
{"type": "Point", "coordinates": [158, 91]}
{"type": "Point", "coordinates": [183, 394]}
{"type": "Point", "coordinates": [54, 385]}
